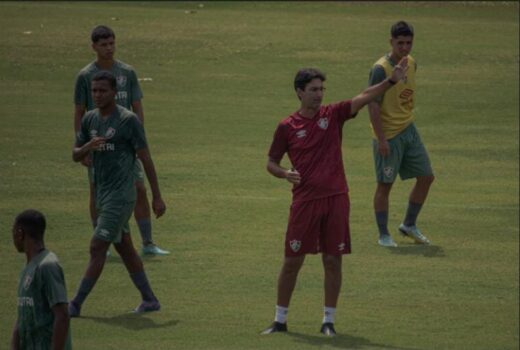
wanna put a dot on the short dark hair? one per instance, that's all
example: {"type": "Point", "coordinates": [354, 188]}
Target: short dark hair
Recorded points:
{"type": "Point", "coordinates": [401, 28]}
{"type": "Point", "coordinates": [32, 222]}
{"type": "Point", "coordinates": [101, 32]}
{"type": "Point", "coordinates": [106, 75]}
{"type": "Point", "coordinates": [305, 75]}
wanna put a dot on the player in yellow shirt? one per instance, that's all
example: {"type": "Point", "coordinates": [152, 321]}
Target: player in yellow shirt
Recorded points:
{"type": "Point", "coordinates": [397, 146]}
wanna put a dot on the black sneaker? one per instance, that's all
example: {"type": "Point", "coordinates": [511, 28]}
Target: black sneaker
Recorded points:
{"type": "Point", "coordinates": [328, 329]}
{"type": "Point", "coordinates": [275, 327]}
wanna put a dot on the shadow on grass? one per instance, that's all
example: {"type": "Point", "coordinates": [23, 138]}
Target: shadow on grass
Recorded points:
{"type": "Point", "coordinates": [116, 259]}
{"type": "Point", "coordinates": [132, 321]}
{"type": "Point", "coordinates": [428, 251]}
{"type": "Point", "coordinates": [342, 341]}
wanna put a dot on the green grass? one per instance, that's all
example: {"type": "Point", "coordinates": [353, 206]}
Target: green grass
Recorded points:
{"type": "Point", "coordinates": [222, 78]}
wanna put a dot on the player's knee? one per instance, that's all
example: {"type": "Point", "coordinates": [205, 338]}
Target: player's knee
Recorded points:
{"type": "Point", "coordinates": [426, 180]}
{"type": "Point", "coordinates": [383, 189]}
{"type": "Point", "coordinates": [97, 252]}
{"type": "Point", "coordinates": [292, 266]}
{"type": "Point", "coordinates": [332, 263]}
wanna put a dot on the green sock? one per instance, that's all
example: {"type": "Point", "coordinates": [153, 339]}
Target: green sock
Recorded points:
{"type": "Point", "coordinates": [145, 228]}
{"type": "Point", "coordinates": [411, 213]}
{"type": "Point", "coordinates": [382, 222]}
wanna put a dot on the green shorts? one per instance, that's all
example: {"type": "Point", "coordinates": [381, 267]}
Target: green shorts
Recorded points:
{"type": "Point", "coordinates": [113, 221]}
{"type": "Point", "coordinates": [407, 157]}
{"type": "Point", "coordinates": [138, 172]}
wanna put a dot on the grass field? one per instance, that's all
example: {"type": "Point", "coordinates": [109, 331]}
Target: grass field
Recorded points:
{"type": "Point", "coordinates": [221, 80]}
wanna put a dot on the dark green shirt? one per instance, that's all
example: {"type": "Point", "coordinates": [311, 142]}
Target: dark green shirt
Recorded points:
{"type": "Point", "coordinates": [128, 89]}
{"type": "Point", "coordinates": [113, 164]}
{"type": "Point", "coordinates": [41, 286]}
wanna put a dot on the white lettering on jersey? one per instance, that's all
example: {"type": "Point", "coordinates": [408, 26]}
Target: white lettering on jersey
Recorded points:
{"type": "Point", "coordinates": [302, 133]}
{"type": "Point", "coordinates": [25, 301]}
{"type": "Point", "coordinates": [122, 95]}
{"type": "Point", "coordinates": [106, 147]}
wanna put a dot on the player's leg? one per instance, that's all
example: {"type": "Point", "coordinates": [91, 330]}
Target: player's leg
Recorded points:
{"type": "Point", "coordinates": [286, 283]}
{"type": "Point", "coordinates": [98, 249]}
{"type": "Point", "coordinates": [334, 242]}
{"type": "Point", "coordinates": [332, 285]}
{"type": "Point", "coordinates": [142, 214]}
{"type": "Point", "coordinates": [386, 172]}
{"type": "Point", "coordinates": [301, 238]}
{"type": "Point", "coordinates": [135, 268]}
{"type": "Point", "coordinates": [287, 279]}
{"type": "Point", "coordinates": [416, 163]}
{"type": "Point", "coordinates": [92, 205]}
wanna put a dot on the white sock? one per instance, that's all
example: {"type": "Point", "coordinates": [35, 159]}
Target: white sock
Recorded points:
{"type": "Point", "coordinates": [281, 314]}
{"type": "Point", "coordinates": [328, 314]}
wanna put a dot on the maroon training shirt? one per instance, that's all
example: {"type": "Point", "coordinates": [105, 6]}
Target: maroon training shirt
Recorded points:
{"type": "Point", "coordinates": [314, 149]}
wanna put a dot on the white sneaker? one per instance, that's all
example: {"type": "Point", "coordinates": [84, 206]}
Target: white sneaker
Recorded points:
{"type": "Point", "coordinates": [386, 241]}
{"type": "Point", "coordinates": [414, 233]}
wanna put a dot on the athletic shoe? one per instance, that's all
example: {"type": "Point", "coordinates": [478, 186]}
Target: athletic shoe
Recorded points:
{"type": "Point", "coordinates": [74, 309]}
{"type": "Point", "coordinates": [152, 249]}
{"type": "Point", "coordinates": [275, 328]}
{"type": "Point", "coordinates": [414, 233]}
{"type": "Point", "coordinates": [148, 306]}
{"type": "Point", "coordinates": [328, 329]}
{"type": "Point", "coordinates": [386, 241]}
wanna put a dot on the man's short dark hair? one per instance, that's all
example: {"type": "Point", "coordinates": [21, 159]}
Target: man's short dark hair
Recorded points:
{"type": "Point", "coordinates": [401, 28]}
{"type": "Point", "coordinates": [106, 75]}
{"type": "Point", "coordinates": [31, 222]}
{"type": "Point", "coordinates": [102, 32]}
{"type": "Point", "coordinates": [305, 76]}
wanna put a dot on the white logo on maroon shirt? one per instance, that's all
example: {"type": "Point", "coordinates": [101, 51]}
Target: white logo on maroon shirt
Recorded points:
{"type": "Point", "coordinates": [301, 133]}
{"type": "Point", "coordinates": [341, 246]}
{"type": "Point", "coordinates": [323, 123]}
{"type": "Point", "coordinates": [295, 245]}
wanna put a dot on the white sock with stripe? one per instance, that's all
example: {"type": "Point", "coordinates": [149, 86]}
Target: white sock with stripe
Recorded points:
{"type": "Point", "coordinates": [328, 314]}
{"type": "Point", "coordinates": [281, 314]}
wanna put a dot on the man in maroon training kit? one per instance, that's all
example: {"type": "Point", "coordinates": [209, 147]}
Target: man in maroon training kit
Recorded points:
{"type": "Point", "coordinates": [319, 214]}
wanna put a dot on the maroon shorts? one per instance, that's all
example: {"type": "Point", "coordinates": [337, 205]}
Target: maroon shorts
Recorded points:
{"type": "Point", "coordinates": [320, 225]}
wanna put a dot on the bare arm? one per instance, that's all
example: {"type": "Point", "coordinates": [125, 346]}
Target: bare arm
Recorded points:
{"type": "Point", "coordinates": [80, 152]}
{"type": "Point", "coordinates": [373, 91]}
{"type": "Point", "coordinates": [15, 339]}
{"type": "Point", "coordinates": [79, 111]}
{"type": "Point", "coordinates": [137, 108]}
{"type": "Point", "coordinates": [375, 118]}
{"type": "Point", "coordinates": [158, 205]}
{"type": "Point", "coordinates": [275, 169]}
{"type": "Point", "coordinates": [60, 328]}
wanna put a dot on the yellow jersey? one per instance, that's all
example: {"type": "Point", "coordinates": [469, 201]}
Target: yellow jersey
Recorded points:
{"type": "Point", "coordinates": [396, 105]}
